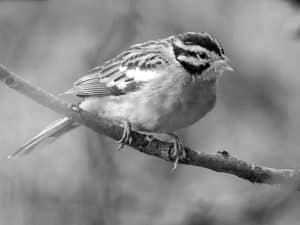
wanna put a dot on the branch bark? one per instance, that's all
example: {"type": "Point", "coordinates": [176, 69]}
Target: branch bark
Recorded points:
{"type": "Point", "coordinates": [219, 162]}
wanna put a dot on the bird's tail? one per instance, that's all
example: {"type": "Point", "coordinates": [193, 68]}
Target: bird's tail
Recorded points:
{"type": "Point", "coordinates": [49, 134]}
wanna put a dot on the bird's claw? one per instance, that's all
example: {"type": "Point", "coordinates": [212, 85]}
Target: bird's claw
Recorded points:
{"type": "Point", "coordinates": [178, 150]}
{"type": "Point", "coordinates": [126, 136]}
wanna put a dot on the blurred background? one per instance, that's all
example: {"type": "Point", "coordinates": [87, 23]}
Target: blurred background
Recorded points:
{"type": "Point", "coordinates": [80, 180]}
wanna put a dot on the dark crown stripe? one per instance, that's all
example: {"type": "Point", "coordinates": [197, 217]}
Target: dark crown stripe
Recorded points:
{"type": "Point", "coordinates": [203, 40]}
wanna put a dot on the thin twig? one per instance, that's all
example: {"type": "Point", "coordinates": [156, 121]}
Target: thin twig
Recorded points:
{"type": "Point", "coordinates": [220, 162]}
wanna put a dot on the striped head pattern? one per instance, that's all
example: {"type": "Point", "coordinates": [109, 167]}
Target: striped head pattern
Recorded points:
{"type": "Point", "coordinates": [198, 52]}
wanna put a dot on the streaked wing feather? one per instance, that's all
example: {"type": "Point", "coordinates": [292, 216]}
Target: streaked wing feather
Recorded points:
{"type": "Point", "coordinates": [125, 73]}
{"type": "Point", "coordinates": [89, 85]}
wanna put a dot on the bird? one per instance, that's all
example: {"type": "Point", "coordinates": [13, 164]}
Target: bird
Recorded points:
{"type": "Point", "coordinates": [159, 86]}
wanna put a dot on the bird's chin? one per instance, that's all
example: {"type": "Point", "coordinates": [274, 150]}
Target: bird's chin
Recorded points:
{"type": "Point", "coordinates": [207, 77]}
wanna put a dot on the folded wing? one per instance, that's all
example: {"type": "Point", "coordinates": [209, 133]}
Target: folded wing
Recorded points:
{"type": "Point", "coordinates": [125, 73]}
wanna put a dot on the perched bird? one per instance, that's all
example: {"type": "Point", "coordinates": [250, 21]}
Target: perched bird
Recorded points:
{"type": "Point", "coordinates": [158, 87]}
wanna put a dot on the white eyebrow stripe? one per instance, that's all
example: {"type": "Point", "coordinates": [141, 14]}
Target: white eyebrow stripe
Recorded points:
{"type": "Point", "coordinates": [191, 60]}
{"type": "Point", "coordinates": [192, 48]}
{"type": "Point", "coordinates": [195, 48]}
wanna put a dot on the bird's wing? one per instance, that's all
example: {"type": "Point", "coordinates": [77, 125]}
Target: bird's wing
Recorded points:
{"type": "Point", "coordinates": [125, 73]}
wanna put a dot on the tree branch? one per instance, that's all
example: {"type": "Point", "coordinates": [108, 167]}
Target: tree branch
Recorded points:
{"type": "Point", "coordinates": [219, 162]}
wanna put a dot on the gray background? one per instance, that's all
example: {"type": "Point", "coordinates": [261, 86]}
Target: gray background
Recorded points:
{"type": "Point", "coordinates": [80, 179]}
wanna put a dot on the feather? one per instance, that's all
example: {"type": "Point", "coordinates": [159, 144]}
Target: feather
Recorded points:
{"type": "Point", "coordinates": [49, 134]}
{"type": "Point", "coordinates": [123, 74]}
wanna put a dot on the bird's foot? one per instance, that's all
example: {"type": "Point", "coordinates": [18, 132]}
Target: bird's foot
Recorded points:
{"type": "Point", "coordinates": [126, 136]}
{"type": "Point", "coordinates": [178, 149]}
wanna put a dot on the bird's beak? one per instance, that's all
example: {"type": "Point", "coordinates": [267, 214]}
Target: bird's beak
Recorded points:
{"type": "Point", "coordinates": [225, 64]}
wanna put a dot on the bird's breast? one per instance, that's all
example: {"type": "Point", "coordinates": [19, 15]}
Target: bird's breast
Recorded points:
{"type": "Point", "coordinates": [166, 105]}
{"type": "Point", "coordinates": [164, 108]}
{"type": "Point", "coordinates": [191, 105]}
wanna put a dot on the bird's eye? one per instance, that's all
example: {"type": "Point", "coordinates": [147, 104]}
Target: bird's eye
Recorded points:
{"type": "Point", "coordinates": [203, 55]}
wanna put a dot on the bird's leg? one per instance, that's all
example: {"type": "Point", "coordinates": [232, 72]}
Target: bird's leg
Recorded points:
{"type": "Point", "coordinates": [126, 136]}
{"type": "Point", "coordinates": [178, 149]}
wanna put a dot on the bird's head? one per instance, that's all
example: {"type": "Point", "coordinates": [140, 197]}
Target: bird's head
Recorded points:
{"type": "Point", "coordinates": [201, 55]}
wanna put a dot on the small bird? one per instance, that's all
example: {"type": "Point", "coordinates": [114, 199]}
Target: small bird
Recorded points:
{"type": "Point", "coordinates": [159, 86]}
